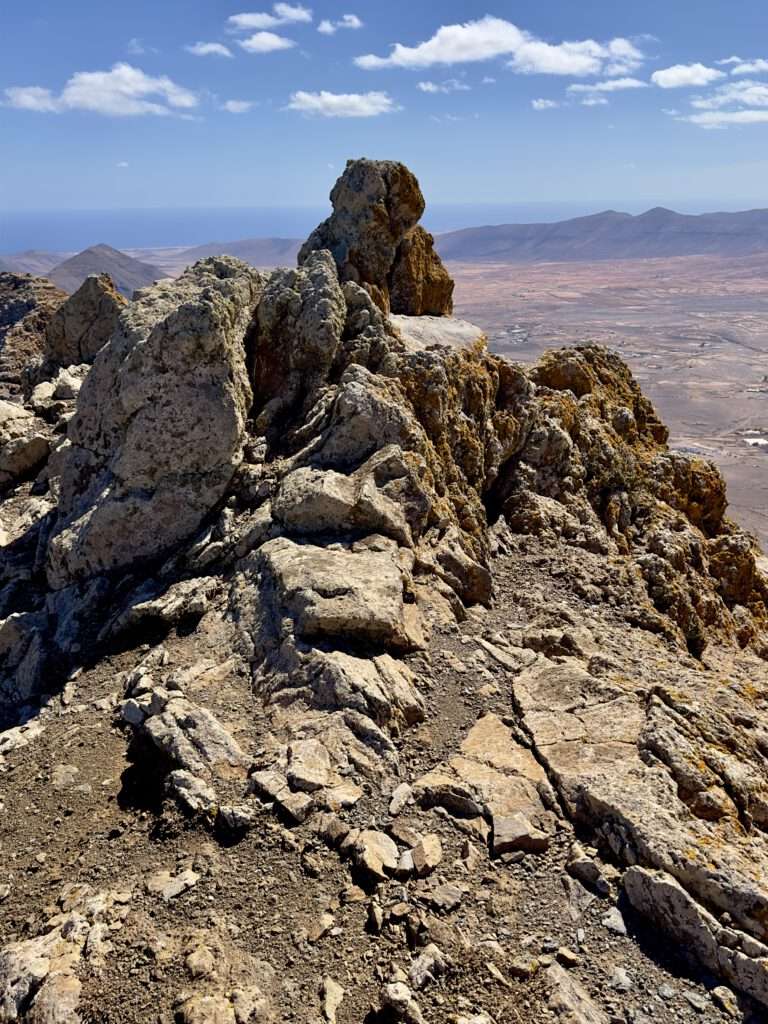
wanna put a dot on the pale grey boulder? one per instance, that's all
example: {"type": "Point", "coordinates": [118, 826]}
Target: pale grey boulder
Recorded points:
{"type": "Point", "coordinates": [160, 422]}
{"type": "Point", "coordinates": [25, 442]}
{"type": "Point", "coordinates": [335, 592]}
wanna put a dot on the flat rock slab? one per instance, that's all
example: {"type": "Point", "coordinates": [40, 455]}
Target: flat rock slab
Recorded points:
{"type": "Point", "coordinates": [337, 592]}
{"type": "Point", "coordinates": [419, 332]}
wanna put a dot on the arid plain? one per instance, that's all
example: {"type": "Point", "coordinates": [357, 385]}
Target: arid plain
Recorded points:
{"type": "Point", "coordinates": [694, 329]}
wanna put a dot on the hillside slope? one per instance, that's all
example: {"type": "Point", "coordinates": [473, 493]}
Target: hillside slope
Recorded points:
{"type": "Point", "coordinates": [612, 235]}
{"type": "Point", "coordinates": [259, 252]}
{"type": "Point", "coordinates": [127, 273]}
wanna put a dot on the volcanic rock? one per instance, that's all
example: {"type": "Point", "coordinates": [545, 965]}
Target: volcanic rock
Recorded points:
{"type": "Point", "coordinates": [373, 237]}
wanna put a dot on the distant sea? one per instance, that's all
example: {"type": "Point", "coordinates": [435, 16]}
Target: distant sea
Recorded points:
{"type": "Point", "coordinates": [70, 230]}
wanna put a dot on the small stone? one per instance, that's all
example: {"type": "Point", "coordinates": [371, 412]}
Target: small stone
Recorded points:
{"type": "Point", "coordinates": [169, 886]}
{"type": "Point", "coordinates": [399, 997]}
{"type": "Point", "coordinates": [726, 1000]}
{"type": "Point", "coordinates": [201, 963]}
{"type": "Point", "coordinates": [515, 832]}
{"type": "Point", "coordinates": [666, 992]}
{"type": "Point", "coordinates": [132, 712]}
{"type": "Point", "coordinates": [427, 967]}
{"type": "Point", "coordinates": [699, 1002]}
{"type": "Point", "coordinates": [331, 995]}
{"type": "Point", "coordinates": [400, 797]}
{"type": "Point", "coordinates": [567, 957]}
{"type": "Point", "coordinates": [620, 980]}
{"type": "Point", "coordinates": [427, 854]}
{"type": "Point", "coordinates": [376, 853]}
{"type": "Point", "coordinates": [321, 927]}
{"type": "Point", "coordinates": [64, 775]}
{"type": "Point", "coordinates": [523, 969]}
{"type": "Point", "coordinates": [614, 922]}
{"type": "Point", "coordinates": [446, 897]}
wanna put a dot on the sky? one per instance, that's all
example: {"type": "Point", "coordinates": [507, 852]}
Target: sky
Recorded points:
{"type": "Point", "coordinates": [205, 103]}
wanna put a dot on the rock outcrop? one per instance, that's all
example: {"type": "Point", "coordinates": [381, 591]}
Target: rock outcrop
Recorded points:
{"type": "Point", "coordinates": [84, 323]}
{"type": "Point", "coordinates": [175, 368]}
{"type": "Point", "coordinates": [371, 606]}
{"type": "Point", "coordinates": [27, 304]}
{"type": "Point", "coordinates": [375, 241]}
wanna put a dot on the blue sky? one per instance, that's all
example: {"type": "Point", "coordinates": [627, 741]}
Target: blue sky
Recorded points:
{"type": "Point", "coordinates": [208, 103]}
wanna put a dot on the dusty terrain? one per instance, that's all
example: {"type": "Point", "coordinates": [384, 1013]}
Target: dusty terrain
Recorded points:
{"type": "Point", "coordinates": [694, 330]}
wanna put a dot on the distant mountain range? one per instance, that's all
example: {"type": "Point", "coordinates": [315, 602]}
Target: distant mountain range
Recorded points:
{"type": "Point", "coordinates": [610, 235]}
{"type": "Point", "coordinates": [601, 236]}
{"type": "Point", "coordinates": [127, 273]}
{"type": "Point", "coordinates": [259, 252]}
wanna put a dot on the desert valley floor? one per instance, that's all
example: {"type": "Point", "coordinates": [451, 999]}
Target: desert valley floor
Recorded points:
{"type": "Point", "coordinates": [693, 329]}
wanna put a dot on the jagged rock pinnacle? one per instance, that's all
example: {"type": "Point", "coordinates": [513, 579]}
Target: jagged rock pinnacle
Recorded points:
{"type": "Point", "coordinates": [375, 241]}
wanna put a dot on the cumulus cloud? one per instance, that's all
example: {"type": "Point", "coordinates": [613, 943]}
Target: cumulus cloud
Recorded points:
{"type": "Point", "coordinates": [594, 101]}
{"type": "Point", "coordinates": [449, 85]}
{"type": "Point", "coordinates": [124, 91]}
{"type": "Point", "coordinates": [282, 14]}
{"type": "Point", "coordinates": [725, 118]}
{"type": "Point", "coordinates": [544, 104]}
{"type": "Point", "coordinates": [685, 75]}
{"type": "Point", "coordinates": [751, 67]}
{"type": "Point", "coordinates": [237, 106]}
{"type": "Point", "coordinates": [330, 104]}
{"type": "Point", "coordinates": [266, 42]}
{"type": "Point", "coordinates": [609, 85]}
{"type": "Point", "coordinates": [734, 94]}
{"type": "Point", "coordinates": [328, 27]}
{"type": "Point", "coordinates": [209, 50]}
{"type": "Point", "coordinates": [491, 37]}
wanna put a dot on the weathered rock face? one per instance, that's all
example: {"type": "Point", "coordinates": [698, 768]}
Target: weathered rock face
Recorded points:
{"type": "Point", "coordinates": [375, 242]}
{"type": "Point", "coordinates": [175, 368]}
{"type": "Point", "coordinates": [84, 323]}
{"type": "Point", "coordinates": [27, 304]}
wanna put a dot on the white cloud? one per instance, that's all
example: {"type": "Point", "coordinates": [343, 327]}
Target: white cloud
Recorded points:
{"type": "Point", "coordinates": [751, 67]}
{"type": "Point", "coordinates": [449, 85]}
{"type": "Point", "coordinates": [283, 14]}
{"type": "Point", "coordinates": [266, 42]}
{"type": "Point", "coordinates": [544, 104]}
{"type": "Point", "coordinates": [237, 106]}
{"type": "Point", "coordinates": [209, 50]}
{"type": "Point", "coordinates": [125, 91]}
{"type": "Point", "coordinates": [122, 163]}
{"type": "Point", "coordinates": [594, 101]}
{"type": "Point", "coordinates": [491, 37]}
{"type": "Point", "coordinates": [742, 94]}
{"type": "Point", "coordinates": [350, 21]}
{"type": "Point", "coordinates": [487, 80]}
{"type": "Point", "coordinates": [610, 85]}
{"type": "Point", "coordinates": [686, 75]}
{"type": "Point", "coordinates": [725, 118]}
{"type": "Point", "coordinates": [330, 104]}
{"type": "Point", "coordinates": [740, 66]}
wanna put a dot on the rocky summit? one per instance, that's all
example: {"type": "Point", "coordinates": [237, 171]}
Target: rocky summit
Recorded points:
{"type": "Point", "coordinates": [351, 672]}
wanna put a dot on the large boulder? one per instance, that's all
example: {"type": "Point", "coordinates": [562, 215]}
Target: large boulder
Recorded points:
{"type": "Point", "coordinates": [159, 427]}
{"type": "Point", "coordinates": [375, 242]}
{"type": "Point", "coordinates": [84, 323]}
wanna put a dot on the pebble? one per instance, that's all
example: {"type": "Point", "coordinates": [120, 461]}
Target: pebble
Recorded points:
{"type": "Point", "coordinates": [614, 922]}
